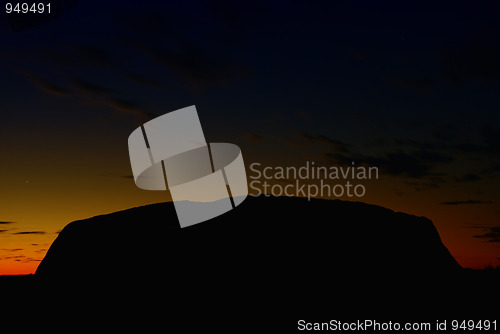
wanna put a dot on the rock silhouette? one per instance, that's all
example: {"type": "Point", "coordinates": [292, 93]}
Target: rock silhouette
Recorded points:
{"type": "Point", "coordinates": [279, 236]}
{"type": "Point", "coordinates": [260, 267]}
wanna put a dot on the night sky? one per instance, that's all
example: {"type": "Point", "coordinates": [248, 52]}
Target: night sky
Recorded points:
{"type": "Point", "coordinates": [411, 88]}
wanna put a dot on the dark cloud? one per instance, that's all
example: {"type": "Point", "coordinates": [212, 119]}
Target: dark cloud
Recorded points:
{"type": "Point", "coordinates": [433, 157]}
{"type": "Point", "coordinates": [84, 90]}
{"type": "Point", "coordinates": [492, 234]}
{"type": "Point", "coordinates": [336, 145]}
{"type": "Point", "coordinates": [15, 258]}
{"type": "Point", "coordinates": [100, 95]}
{"type": "Point", "coordinates": [51, 88]}
{"type": "Point", "coordinates": [146, 81]}
{"type": "Point", "coordinates": [91, 55]}
{"type": "Point", "coordinates": [416, 159]}
{"type": "Point", "coordinates": [491, 139]}
{"type": "Point", "coordinates": [2, 231]}
{"type": "Point", "coordinates": [402, 157]}
{"type": "Point", "coordinates": [22, 258]}
{"type": "Point", "coordinates": [417, 165]}
{"type": "Point", "coordinates": [420, 186]}
{"type": "Point", "coordinates": [30, 259]}
{"type": "Point", "coordinates": [399, 163]}
{"type": "Point", "coordinates": [6, 222]}
{"type": "Point", "coordinates": [45, 85]}
{"type": "Point", "coordinates": [30, 232]}
{"type": "Point", "coordinates": [254, 137]}
{"type": "Point", "coordinates": [469, 177]}
{"type": "Point", "coordinates": [470, 201]}
{"type": "Point", "coordinates": [192, 65]}
{"type": "Point", "coordinates": [128, 107]}
{"type": "Point", "coordinates": [411, 144]}
{"type": "Point", "coordinates": [471, 148]}
{"type": "Point", "coordinates": [186, 57]}
{"type": "Point", "coordinates": [89, 87]}
{"type": "Point", "coordinates": [485, 151]}
{"type": "Point", "coordinates": [444, 132]}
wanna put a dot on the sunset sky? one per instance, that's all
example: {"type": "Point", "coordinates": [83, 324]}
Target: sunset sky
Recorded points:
{"type": "Point", "coordinates": [411, 89]}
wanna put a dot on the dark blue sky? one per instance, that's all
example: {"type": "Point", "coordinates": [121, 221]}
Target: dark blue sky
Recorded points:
{"type": "Point", "coordinates": [411, 87]}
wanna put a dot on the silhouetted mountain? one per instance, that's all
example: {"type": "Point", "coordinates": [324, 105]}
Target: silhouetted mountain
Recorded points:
{"type": "Point", "coordinates": [268, 254]}
{"type": "Point", "coordinates": [287, 233]}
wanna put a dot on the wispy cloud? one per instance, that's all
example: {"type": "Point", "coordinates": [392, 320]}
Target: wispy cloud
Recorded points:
{"type": "Point", "coordinates": [129, 107]}
{"type": "Point", "coordinates": [469, 177]}
{"type": "Point", "coordinates": [89, 92]}
{"type": "Point", "coordinates": [433, 183]}
{"type": "Point", "coordinates": [192, 65]}
{"type": "Point", "coordinates": [418, 164]}
{"type": "Point", "coordinates": [335, 144]}
{"type": "Point", "coordinates": [45, 85]}
{"type": "Point", "coordinates": [29, 232]}
{"type": "Point", "coordinates": [90, 87]}
{"type": "Point", "coordinates": [91, 55]}
{"type": "Point", "coordinates": [21, 258]}
{"type": "Point", "coordinates": [85, 91]}
{"type": "Point", "coordinates": [254, 137]}
{"type": "Point", "coordinates": [5, 223]}
{"type": "Point", "coordinates": [407, 158]}
{"type": "Point", "coordinates": [492, 234]}
{"type": "Point", "coordinates": [469, 201]}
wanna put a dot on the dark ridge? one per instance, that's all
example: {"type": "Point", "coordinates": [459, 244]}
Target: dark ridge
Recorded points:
{"type": "Point", "coordinates": [261, 233]}
{"type": "Point", "coordinates": [265, 265]}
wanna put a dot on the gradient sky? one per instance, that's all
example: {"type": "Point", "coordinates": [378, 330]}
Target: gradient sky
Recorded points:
{"type": "Point", "coordinates": [411, 89]}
